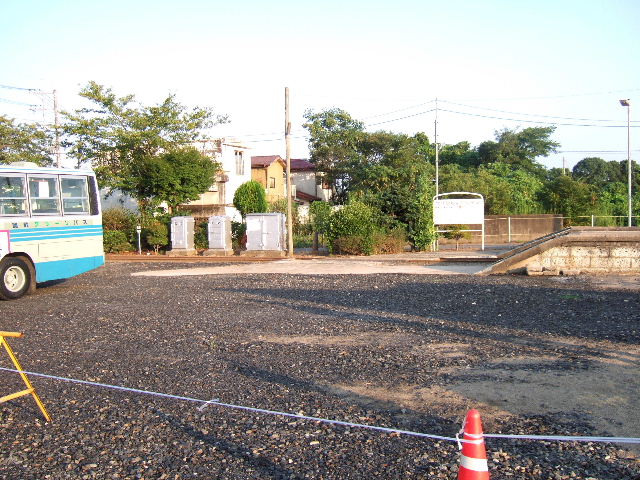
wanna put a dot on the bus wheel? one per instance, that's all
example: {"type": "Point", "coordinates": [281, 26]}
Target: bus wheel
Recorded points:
{"type": "Point", "coordinates": [16, 278]}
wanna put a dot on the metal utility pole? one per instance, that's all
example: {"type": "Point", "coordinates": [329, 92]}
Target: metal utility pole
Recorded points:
{"type": "Point", "coordinates": [627, 103]}
{"type": "Point", "coordinates": [436, 141]}
{"type": "Point", "coordinates": [57, 129]}
{"type": "Point", "coordinates": [287, 138]}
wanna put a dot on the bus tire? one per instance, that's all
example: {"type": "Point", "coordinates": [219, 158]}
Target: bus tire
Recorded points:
{"type": "Point", "coordinates": [15, 278]}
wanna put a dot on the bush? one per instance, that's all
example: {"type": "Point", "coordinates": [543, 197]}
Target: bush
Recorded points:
{"type": "Point", "coordinates": [250, 197]}
{"type": "Point", "coordinates": [353, 245]}
{"type": "Point", "coordinates": [118, 218]}
{"type": "Point", "coordinates": [351, 229]}
{"type": "Point", "coordinates": [392, 241]}
{"type": "Point", "coordinates": [201, 235]}
{"type": "Point", "coordinates": [115, 241]}
{"type": "Point", "coordinates": [157, 235]}
{"type": "Point", "coordinates": [238, 238]}
{"type": "Point", "coordinates": [457, 233]}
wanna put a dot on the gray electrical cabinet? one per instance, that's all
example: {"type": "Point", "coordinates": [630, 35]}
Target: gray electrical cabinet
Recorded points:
{"type": "Point", "coordinates": [266, 232]}
{"type": "Point", "coordinates": [182, 230]}
{"type": "Point", "coordinates": [219, 234]}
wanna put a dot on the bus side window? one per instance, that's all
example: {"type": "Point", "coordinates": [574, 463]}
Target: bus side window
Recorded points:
{"type": "Point", "coordinates": [43, 192]}
{"type": "Point", "coordinates": [13, 195]}
{"type": "Point", "coordinates": [75, 195]}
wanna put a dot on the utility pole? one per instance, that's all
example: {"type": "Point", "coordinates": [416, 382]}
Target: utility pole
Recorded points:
{"type": "Point", "coordinates": [627, 103]}
{"type": "Point", "coordinates": [436, 141]}
{"type": "Point", "coordinates": [287, 139]}
{"type": "Point", "coordinates": [57, 129]}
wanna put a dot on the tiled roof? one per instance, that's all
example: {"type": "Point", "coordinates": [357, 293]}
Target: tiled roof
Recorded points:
{"type": "Point", "coordinates": [301, 164]}
{"type": "Point", "coordinates": [265, 160]}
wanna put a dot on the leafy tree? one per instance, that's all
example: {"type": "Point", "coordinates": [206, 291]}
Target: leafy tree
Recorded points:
{"type": "Point", "coordinates": [569, 197]}
{"type": "Point", "coordinates": [333, 147]}
{"type": "Point", "coordinates": [395, 176]}
{"type": "Point", "coordinates": [122, 139]}
{"type": "Point", "coordinates": [320, 213]}
{"type": "Point", "coordinates": [598, 172]}
{"type": "Point", "coordinates": [25, 142]}
{"type": "Point", "coordinates": [520, 148]}
{"type": "Point", "coordinates": [461, 154]}
{"type": "Point", "coordinates": [250, 197]}
{"type": "Point", "coordinates": [175, 177]}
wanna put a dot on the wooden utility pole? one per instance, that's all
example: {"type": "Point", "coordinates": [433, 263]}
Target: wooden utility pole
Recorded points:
{"type": "Point", "coordinates": [287, 138]}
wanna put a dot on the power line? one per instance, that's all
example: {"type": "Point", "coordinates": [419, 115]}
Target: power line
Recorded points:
{"type": "Point", "coordinates": [14, 102]}
{"type": "Point", "coordinates": [402, 118]}
{"type": "Point", "coordinates": [535, 121]}
{"type": "Point", "coordinates": [550, 97]}
{"type": "Point", "coordinates": [9, 87]}
{"type": "Point", "coordinates": [529, 114]}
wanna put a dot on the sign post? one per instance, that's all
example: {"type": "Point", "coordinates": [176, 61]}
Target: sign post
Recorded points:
{"type": "Point", "coordinates": [459, 211]}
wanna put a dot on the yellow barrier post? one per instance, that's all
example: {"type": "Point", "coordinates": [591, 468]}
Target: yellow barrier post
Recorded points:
{"type": "Point", "coordinates": [30, 389]}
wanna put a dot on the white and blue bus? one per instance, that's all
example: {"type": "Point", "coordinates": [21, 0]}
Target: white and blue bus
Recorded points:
{"type": "Point", "coordinates": [50, 226]}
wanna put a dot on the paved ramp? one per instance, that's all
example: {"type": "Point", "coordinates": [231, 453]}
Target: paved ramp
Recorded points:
{"type": "Point", "coordinates": [323, 267]}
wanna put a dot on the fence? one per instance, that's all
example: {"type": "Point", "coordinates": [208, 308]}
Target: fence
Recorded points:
{"type": "Point", "coordinates": [523, 228]}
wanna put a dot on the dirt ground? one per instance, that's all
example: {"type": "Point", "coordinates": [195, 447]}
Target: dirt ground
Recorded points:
{"type": "Point", "coordinates": [605, 394]}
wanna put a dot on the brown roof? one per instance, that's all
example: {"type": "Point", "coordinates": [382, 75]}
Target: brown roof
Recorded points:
{"type": "Point", "coordinates": [265, 160]}
{"type": "Point", "coordinates": [301, 164]}
{"type": "Point", "coordinates": [306, 196]}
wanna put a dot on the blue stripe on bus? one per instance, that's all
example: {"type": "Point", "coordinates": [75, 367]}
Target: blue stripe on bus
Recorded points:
{"type": "Point", "coordinates": [31, 234]}
{"type": "Point", "coordinates": [58, 269]}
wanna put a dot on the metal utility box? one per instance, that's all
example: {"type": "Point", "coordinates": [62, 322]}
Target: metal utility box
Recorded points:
{"type": "Point", "coordinates": [182, 230]}
{"type": "Point", "coordinates": [219, 234]}
{"type": "Point", "coordinates": [266, 232]}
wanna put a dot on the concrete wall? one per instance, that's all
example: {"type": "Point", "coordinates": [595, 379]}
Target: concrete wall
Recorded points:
{"type": "Point", "coordinates": [523, 228]}
{"type": "Point", "coordinates": [576, 250]}
{"type": "Point", "coordinates": [576, 259]}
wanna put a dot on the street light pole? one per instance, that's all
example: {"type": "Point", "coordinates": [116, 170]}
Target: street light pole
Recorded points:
{"type": "Point", "coordinates": [627, 103]}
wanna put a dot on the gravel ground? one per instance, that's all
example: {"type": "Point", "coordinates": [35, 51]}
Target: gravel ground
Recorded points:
{"type": "Point", "coordinates": [389, 350]}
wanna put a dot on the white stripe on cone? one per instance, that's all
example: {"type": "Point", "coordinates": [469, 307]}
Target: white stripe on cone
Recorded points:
{"type": "Point", "coordinates": [475, 464]}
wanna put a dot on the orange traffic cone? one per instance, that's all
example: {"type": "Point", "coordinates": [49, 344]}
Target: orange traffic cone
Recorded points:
{"type": "Point", "coordinates": [473, 460]}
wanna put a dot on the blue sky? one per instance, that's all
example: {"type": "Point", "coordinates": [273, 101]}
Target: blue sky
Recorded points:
{"type": "Point", "coordinates": [384, 62]}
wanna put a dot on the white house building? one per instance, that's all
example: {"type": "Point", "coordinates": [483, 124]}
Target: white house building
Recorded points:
{"type": "Point", "coordinates": [235, 159]}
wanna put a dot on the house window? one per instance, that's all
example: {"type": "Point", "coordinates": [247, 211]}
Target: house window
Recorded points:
{"type": "Point", "coordinates": [272, 182]}
{"type": "Point", "coordinates": [239, 163]}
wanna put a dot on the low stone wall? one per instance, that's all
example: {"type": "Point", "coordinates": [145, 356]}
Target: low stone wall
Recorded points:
{"type": "Point", "coordinates": [576, 250]}
{"type": "Point", "coordinates": [577, 259]}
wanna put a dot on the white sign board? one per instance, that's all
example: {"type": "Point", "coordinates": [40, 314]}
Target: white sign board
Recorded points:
{"type": "Point", "coordinates": [458, 211]}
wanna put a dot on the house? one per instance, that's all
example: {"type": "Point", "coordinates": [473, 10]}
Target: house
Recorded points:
{"type": "Point", "coordinates": [234, 157]}
{"type": "Point", "coordinates": [269, 171]}
{"type": "Point", "coordinates": [308, 183]}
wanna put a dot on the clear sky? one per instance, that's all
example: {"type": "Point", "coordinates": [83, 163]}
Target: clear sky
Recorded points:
{"type": "Point", "coordinates": [524, 63]}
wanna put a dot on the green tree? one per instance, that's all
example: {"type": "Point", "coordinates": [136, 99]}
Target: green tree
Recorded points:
{"type": "Point", "coordinates": [598, 172]}
{"type": "Point", "coordinates": [121, 138]}
{"type": "Point", "coordinates": [334, 139]}
{"type": "Point", "coordinates": [569, 197]}
{"type": "Point", "coordinates": [25, 142]}
{"type": "Point", "coordinates": [250, 197]}
{"type": "Point", "coordinates": [175, 177]}
{"type": "Point", "coordinates": [520, 148]}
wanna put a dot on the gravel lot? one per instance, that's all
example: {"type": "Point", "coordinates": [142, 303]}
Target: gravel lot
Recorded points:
{"type": "Point", "coordinates": [535, 355]}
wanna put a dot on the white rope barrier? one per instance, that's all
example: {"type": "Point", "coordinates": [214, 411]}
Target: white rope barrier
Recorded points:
{"type": "Point", "coordinates": [556, 438]}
